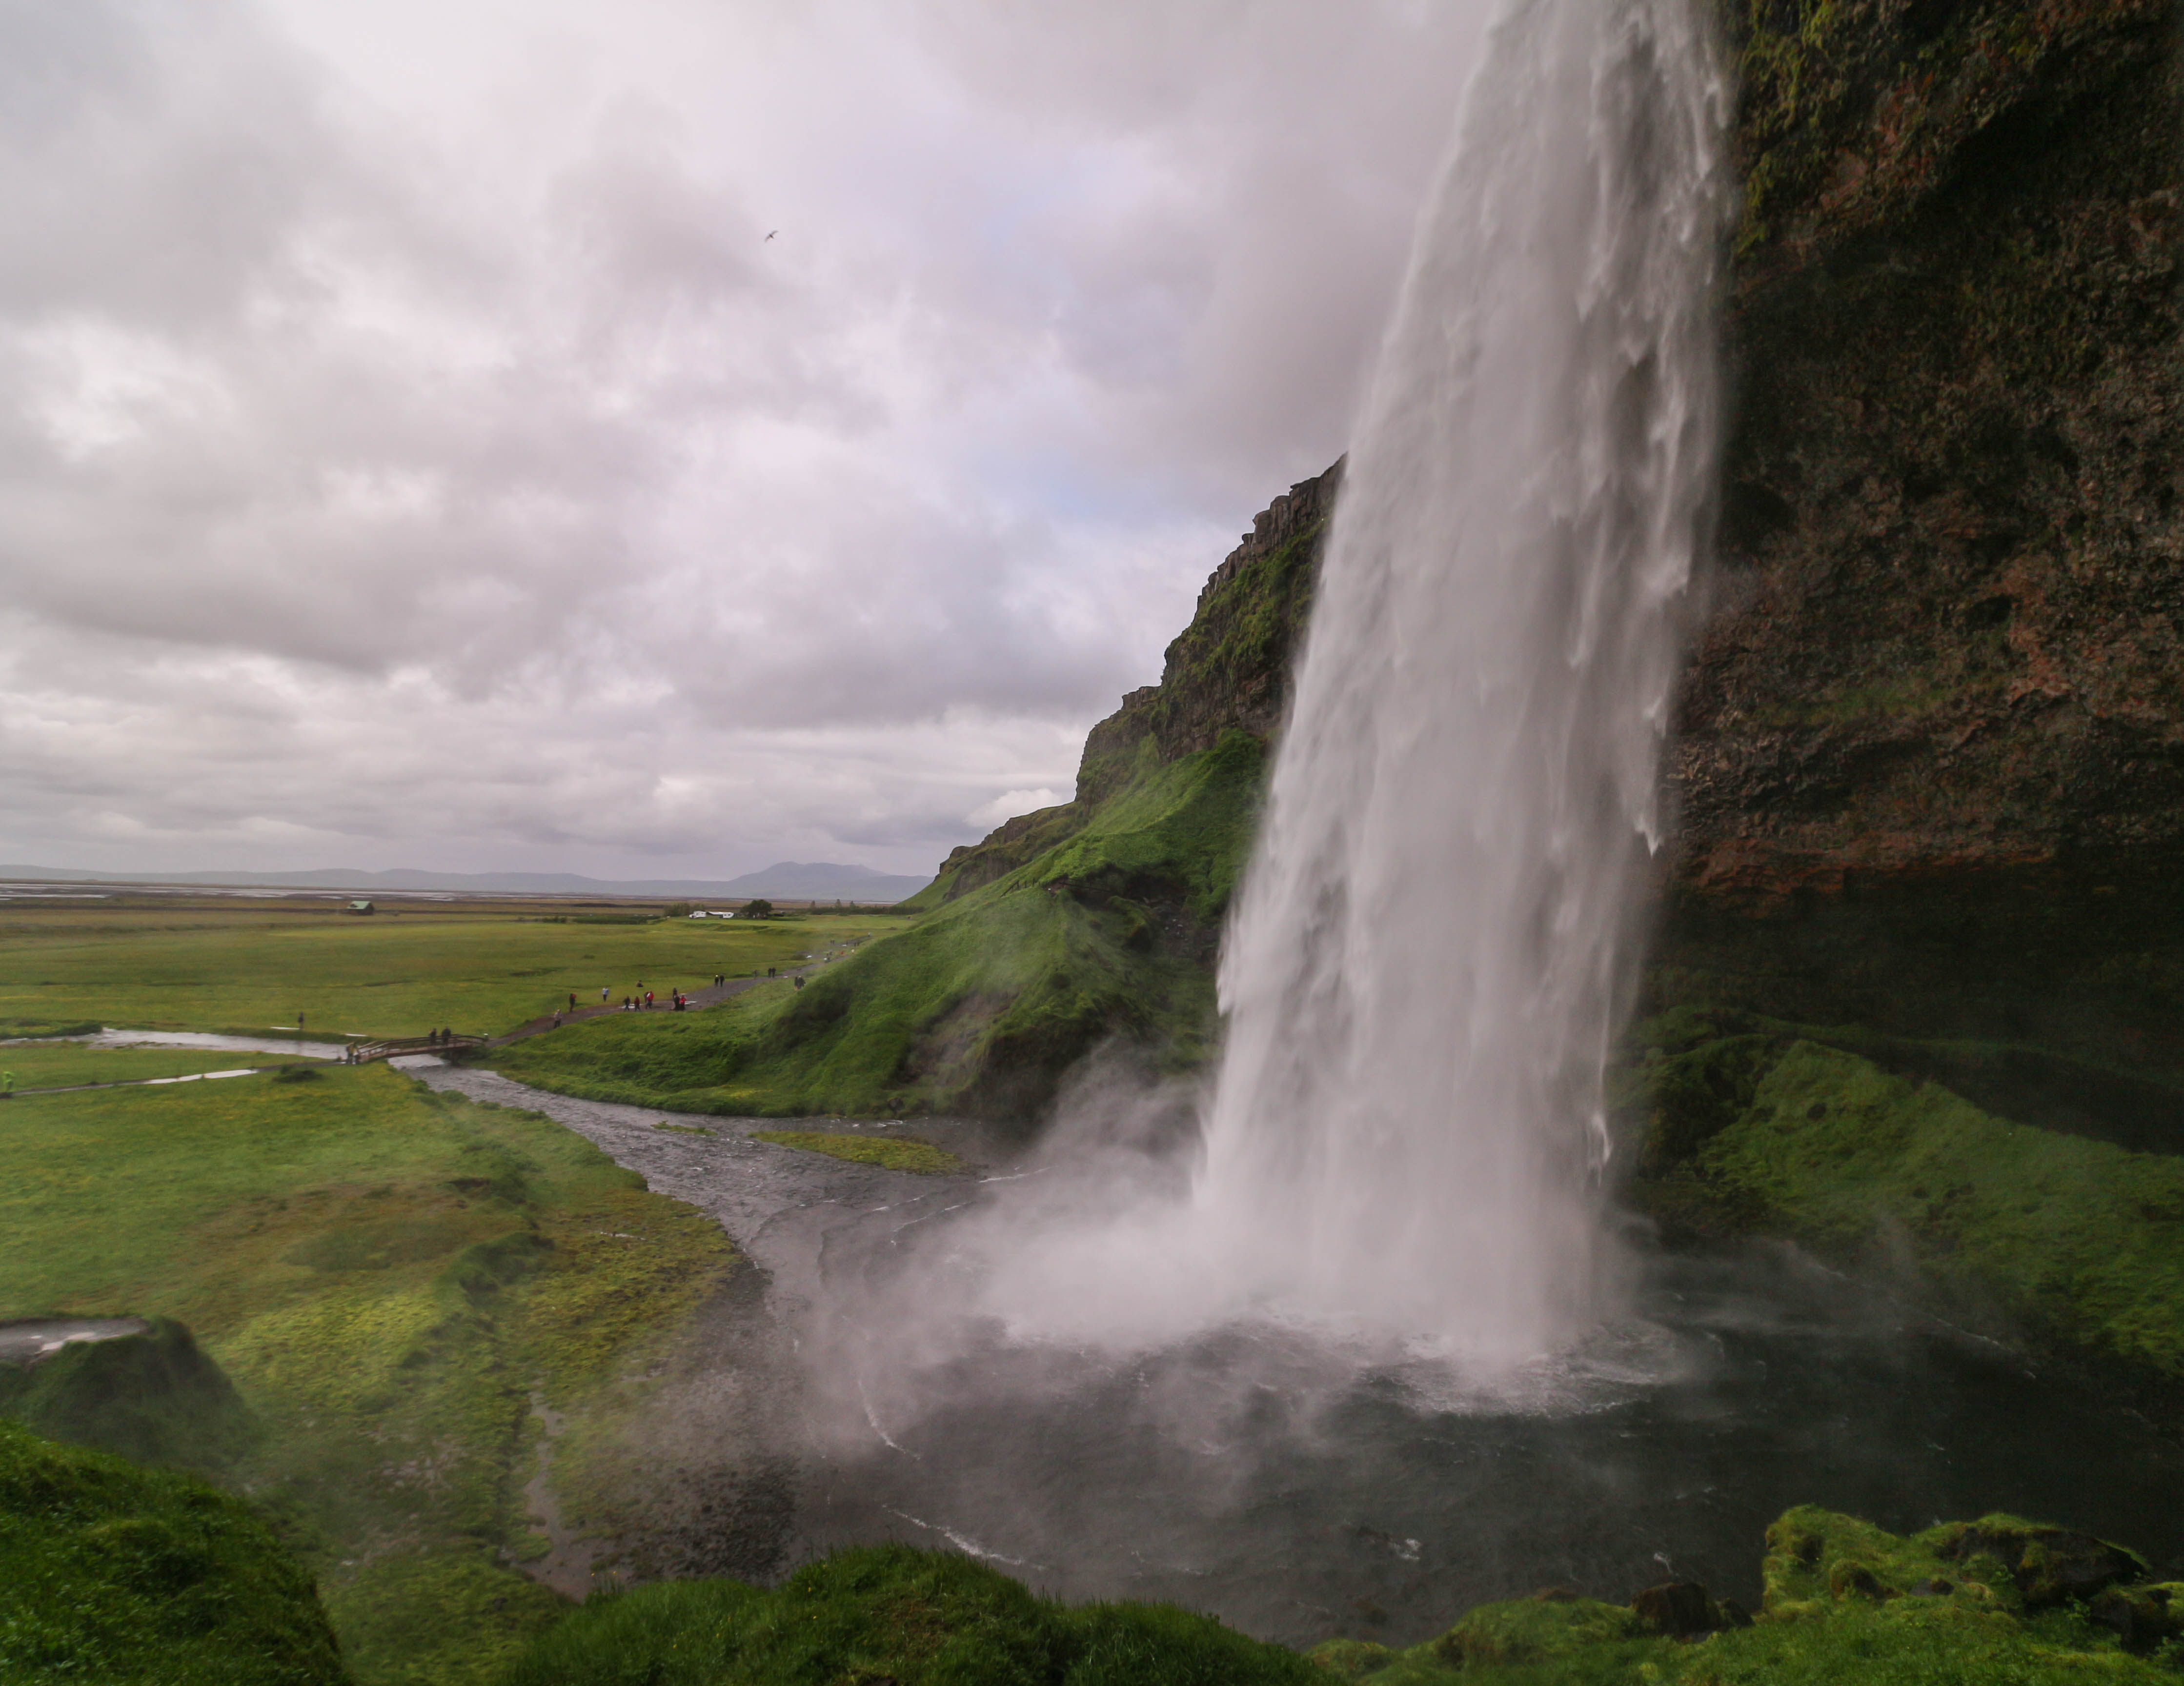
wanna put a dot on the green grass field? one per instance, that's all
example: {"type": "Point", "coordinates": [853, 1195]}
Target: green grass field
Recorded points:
{"type": "Point", "coordinates": [387, 1275]}
{"type": "Point", "coordinates": [392, 974]}
{"type": "Point", "coordinates": [59, 1064]}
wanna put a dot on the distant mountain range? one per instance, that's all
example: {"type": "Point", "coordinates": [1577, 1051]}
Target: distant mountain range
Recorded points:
{"type": "Point", "coordinates": [795, 880]}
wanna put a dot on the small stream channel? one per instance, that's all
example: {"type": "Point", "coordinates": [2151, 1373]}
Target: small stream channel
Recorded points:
{"type": "Point", "coordinates": [1263, 1478]}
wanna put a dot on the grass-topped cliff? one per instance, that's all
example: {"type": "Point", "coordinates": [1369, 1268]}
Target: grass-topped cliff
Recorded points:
{"type": "Point", "coordinates": [1094, 920]}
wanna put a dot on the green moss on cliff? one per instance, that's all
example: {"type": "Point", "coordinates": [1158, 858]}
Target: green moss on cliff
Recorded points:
{"type": "Point", "coordinates": [2071, 1243]}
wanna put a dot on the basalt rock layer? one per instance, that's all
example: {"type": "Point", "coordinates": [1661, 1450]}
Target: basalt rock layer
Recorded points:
{"type": "Point", "coordinates": [1931, 761]}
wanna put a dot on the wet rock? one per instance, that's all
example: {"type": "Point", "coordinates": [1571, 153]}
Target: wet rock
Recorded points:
{"type": "Point", "coordinates": [1850, 1578]}
{"type": "Point", "coordinates": [2048, 1566]}
{"type": "Point", "coordinates": [1677, 1609]}
{"type": "Point", "coordinates": [2142, 1617]}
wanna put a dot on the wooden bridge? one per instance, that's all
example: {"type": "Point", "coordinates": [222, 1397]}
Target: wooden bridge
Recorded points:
{"type": "Point", "coordinates": [363, 1053]}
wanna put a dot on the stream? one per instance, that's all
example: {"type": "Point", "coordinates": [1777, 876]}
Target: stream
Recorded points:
{"type": "Point", "coordinates": [1261, 1476]}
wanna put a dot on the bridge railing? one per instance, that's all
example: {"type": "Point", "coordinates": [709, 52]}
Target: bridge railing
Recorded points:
{"type": "Point", "coordinates": [363, 1053]}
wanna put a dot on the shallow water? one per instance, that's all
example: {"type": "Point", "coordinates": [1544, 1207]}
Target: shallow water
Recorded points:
{"type": "Point", "coordinates": [1261, 1475]}
{"type": "Point", "coordinates": [251, 1045]}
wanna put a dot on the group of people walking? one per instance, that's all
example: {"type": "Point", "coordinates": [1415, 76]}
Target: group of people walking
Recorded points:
{"type": "Point", "coordinates": [644, 1000]}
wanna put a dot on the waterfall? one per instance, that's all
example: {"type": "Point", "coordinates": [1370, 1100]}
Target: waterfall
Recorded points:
{"type": "Point", "coordinates": [1423, 970]}
{"type": "Point", "coordinates": [1421, 975]}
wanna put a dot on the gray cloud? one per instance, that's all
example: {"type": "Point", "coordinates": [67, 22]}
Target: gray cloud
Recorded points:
{"type": "Point", "coordinates": [412, 450]}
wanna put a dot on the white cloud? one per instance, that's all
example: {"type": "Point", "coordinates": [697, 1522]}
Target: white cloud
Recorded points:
{"type": "Point", "coordinates": [414, 451]}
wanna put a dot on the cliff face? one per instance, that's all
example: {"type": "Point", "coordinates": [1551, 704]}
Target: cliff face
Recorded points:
{"type": "Point", "coordinates": [1931, 762]}
{"type": "Point", "coordinates": [1947, 633]}
{"type": "Point", "coordinates": [1228, 671]}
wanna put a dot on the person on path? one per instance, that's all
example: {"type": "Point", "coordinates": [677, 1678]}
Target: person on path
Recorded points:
{"type": "Point", "coordinates": [648, 1000]}
{"type": "Point", "coordinates": [603, 995]}
{"type": "Point", "coordinates": [573, 1000]}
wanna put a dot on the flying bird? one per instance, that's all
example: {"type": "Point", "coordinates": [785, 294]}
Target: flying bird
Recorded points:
{"type": "Point", "coordinates": [768, 237]}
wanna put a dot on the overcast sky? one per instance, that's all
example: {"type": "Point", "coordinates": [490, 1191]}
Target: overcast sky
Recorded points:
{"type": "Point", "coordinates": [415, 451]}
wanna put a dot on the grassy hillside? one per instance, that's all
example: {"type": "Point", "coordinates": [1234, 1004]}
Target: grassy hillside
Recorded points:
{"type": "Point", "coordinates": [388, 1276]}
{"type": "Point", "coordinates": [1094, 922]}
{"type": "Point", "coordinates": [981, 1005]}
{"type": "Point", "coordinates": [395, 974]}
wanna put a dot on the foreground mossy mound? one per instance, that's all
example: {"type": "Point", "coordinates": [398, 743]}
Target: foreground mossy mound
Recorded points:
{"type": "Point", "coordinates": [155, 1397]}
{"type": "Point", "coordinates": [893, 1613]}
{"type": "Point", "coordinates": [1998, 1602]}
{"type": "Point", "coordinates": [1863, 1149]}
{"type": "Point", "coordinates": [118, 1574]}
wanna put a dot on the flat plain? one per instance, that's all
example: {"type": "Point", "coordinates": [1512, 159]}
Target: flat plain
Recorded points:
{"type": "Point", "coordinates": [63, 1064]}
{"type": "Point", "coordinates": [481, 970]}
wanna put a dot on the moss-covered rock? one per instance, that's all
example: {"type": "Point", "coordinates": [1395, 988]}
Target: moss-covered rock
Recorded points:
{"type": "Point", "coordinates": [155, 1397]}
{"type": "Point", "coordinates": [1997, 1600]}
{"type": "Point", "coordinates": [892, 1613]}
{"type": "Point", "coordinates": [1930, 763]}
{"type": "Point", "coordinates": [120, 1574]}
{"type": "Point", "coordinates": [1534, 1630]}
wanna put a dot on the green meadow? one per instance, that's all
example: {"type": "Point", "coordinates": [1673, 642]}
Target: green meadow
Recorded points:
{"type": "Point", "coordinates": [391, 1277]}
{"type": "Point", "coordinates": [57, 1064]}
{"type": "Point", "coordinates": [399, 973]}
